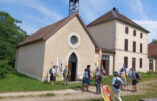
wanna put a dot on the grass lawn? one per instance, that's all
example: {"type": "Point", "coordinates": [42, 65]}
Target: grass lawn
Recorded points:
{"type": "Point", "coordinates": [15, 82]}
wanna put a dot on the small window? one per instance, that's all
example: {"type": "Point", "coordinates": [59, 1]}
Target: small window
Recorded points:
{"type": "Point", "coordinates": [126, 45]}
{"type": "Point", "coordinates": [141, 63]}
{"type": "Point", "coordinates": [141, 35]}
{"type": "Point", "coordinates": [126, 30]}
{"type": "Point", "coordinates": [134, 32]}
{"type": "Point", "coordinates": [141, 48]}
{"type": "Point", "coordinates": [74, 39]}
{"type": "Point", "coordinates": [126, 61]}
{"type": "Point", "coordinates": [134, 46]}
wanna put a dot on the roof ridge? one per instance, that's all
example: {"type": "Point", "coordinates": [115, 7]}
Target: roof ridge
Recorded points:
{"type": "Point", "coordinates": [115, 15]}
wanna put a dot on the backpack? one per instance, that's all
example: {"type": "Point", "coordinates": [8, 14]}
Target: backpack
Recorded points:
{"type": "Point", "coordinates": [138, 76]}
{"type": "Point", "coordinates": [86, 75]}
{"type": "Point", "coordinates": [50, 71]}
{"type": "Point", "coordinates": [117, 84]}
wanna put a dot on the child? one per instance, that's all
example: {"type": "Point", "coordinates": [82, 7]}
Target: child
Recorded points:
{"type": "Point", "coordinates": [98, 79]}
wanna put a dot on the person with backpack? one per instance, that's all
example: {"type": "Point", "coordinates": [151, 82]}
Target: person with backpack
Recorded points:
{"type": "Point", "coordinates": [123, 77]}
{"type": "Point", "coordinates": [52, 75]}
{"type": "Point", "coordinates": [86, 78]}
{"type": "Point", "coordinates": [98, 79]}
{"type": "Point", "coordinates": [65, 75]}
{"type": "Point", "coordinates": [116, 85]}
{"type": "Point", "coordinates": [135, 78]}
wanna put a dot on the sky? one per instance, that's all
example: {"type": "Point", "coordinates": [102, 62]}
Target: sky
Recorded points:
{"type": "Point", "coordinates": [36, 14]}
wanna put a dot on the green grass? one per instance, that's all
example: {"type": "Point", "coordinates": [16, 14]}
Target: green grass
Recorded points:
{"type": "Point", "coordinates": [15, 82]}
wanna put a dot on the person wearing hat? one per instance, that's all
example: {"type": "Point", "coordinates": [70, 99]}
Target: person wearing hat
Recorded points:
{"type": "Point", "coordinates": [116, 85]}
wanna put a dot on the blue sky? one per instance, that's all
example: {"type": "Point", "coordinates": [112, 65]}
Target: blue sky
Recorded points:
{"type": "Point", "coordinates": [35, 14]}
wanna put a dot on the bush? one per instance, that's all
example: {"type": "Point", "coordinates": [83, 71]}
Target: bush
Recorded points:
{"type": "Point", "coordinates": [149, 73]}
{"type": "Point", "coordinates": [5, 68]}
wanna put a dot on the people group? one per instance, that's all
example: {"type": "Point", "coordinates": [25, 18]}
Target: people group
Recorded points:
{"type": "Point", "coordinates": [119, 81]}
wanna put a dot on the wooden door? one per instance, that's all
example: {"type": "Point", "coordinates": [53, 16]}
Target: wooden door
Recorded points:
{"type": "Point", "coordinates": [70, 68]}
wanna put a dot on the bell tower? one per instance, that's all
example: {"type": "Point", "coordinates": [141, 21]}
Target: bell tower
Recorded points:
{"type": "Point", "coordinates": [73, 6]}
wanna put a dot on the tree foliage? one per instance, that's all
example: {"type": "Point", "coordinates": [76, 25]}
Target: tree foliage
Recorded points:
{"type": "Point", "coordinates": [154, 41]}
{"type": "Point", "coordinates": [10, 36]}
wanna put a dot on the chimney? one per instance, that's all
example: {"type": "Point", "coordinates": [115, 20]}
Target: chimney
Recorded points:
{"type": "Point", "coordinates": [115, 9]}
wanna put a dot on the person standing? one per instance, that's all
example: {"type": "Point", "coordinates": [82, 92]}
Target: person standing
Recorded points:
{"type": "Point", "coordinates": [102, 70]}
{"type": "Point", "coordinates": [98, 79]}
{"type": "Point", "coordinates": [52, 75]}
{"type": "Point", "coordinates": [123, 77]}
{"type": "Point", "coordinates": [134, 80]}
{"type": "Point", "coordinates": [86, 77]}
{"type": "Point", "coordinates": [116, 84]}
{"type": "Point", "coordinates": [65, 75]}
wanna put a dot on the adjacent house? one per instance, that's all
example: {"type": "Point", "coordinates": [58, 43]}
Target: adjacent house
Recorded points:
{"type": "Point", "coordinates": [129, 40]}
{"type": "Point", "coordinates": [152, 54]}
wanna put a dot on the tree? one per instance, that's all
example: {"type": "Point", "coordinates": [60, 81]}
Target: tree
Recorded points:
{"type": "Point", "coordinates": [10, 36]}
{"type": "Point", "coordinates": [154, 41]}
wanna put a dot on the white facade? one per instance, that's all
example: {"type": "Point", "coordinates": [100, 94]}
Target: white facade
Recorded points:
{"type": "Point", "coordinates": [111, 35]}
{"type": "Point", "coordinates": [120, 43]}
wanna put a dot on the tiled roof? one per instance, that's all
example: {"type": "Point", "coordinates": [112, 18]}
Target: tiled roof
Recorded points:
{"type": "Point", "coordinates": [115, 15]}
{"type": "Point", "coordinates": [48, 31]}
{"type": "Point", "coordinates": [152, 50]}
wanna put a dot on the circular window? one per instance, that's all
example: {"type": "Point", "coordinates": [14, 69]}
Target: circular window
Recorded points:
{"type": "Point", "coordinates": [74, 39]}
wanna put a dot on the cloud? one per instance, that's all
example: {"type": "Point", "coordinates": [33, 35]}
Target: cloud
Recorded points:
{"type": "Point", "coordinates": [137, 7]}
{"type": "Point", "coordinates": [43, 9]}
{"type": "Point", "coordinates": [151, 26]}
{"type": "Point", "coordinates": [90, 9]}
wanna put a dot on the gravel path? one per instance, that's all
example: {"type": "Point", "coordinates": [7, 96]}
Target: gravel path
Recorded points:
{"type": "Point", "coordinates": [69, 94]}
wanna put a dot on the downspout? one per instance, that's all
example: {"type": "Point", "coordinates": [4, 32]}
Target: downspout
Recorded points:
{"type": "Point", "coordinates": [114, 34]}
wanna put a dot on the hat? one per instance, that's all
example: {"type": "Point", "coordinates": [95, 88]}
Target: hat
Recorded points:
{"type": "Point", "coordinates": [115, 73]}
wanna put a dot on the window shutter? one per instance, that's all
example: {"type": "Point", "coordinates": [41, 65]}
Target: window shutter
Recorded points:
{"type": "Point", "coordinates": [141, 48]}
{"type": "Point", "coordinates": [126, 61]}
{"type": "Point", "coordinates": [134, 32]}
{"type": "Point", "coordinates": [134, 46]}
{"type": "Point", "coordinates": [141, 63]}
{"type": "Point", "coordinates": [141, 35]}
{"type": "Point", "coordinates": [126, 44]}
{"type": "Point", "coordinates": [126, 30]}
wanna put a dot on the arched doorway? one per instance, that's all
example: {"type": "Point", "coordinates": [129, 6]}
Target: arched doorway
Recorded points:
{"type": "Point", "coordinates": [72, 64]}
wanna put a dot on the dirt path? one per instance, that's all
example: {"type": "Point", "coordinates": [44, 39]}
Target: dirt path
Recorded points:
{"type": "Point", "coordinates": [70, 94]}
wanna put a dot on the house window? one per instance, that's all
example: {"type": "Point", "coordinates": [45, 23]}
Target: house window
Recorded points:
{"type": "Point", "coordinates": [126, 45]}
{"type": "Point", "coordinates": [141, 46]}
{"type": "Point", "coordinates": [151, 64]}
{"type": "Point", "coordinates": [126, 30]}
{"type": "Point", "coordinates": [141, 35]}
{"type": "Point", "coordinates": [134, 46]}
{"type": "Point", "coordinates": [141, 63]}
{"type": "Point", "coordinates": [134, 32]}
{"type": "Point", "coordinates": [126, 61]}
{"type": "Point", "coordinates": [134, 63]}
